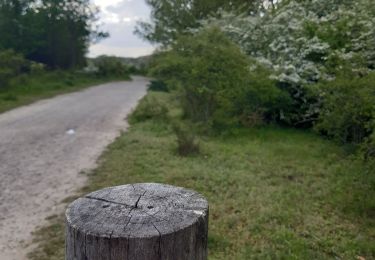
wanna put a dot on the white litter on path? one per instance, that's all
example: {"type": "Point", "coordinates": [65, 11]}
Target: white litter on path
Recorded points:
{"type": "Point", "coordinates": [70, 132]}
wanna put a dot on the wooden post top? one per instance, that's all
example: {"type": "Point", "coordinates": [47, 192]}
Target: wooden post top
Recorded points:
{"type": "Point", "coordinates": [137, 211]}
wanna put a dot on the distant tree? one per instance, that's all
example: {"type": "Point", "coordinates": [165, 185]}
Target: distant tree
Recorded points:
{"type": "Point", "coordinates": [111, 66]}
{"type": "Point", "coordinates": [11, 12]}
{"type": "Point", "coordinates": [54, 32]}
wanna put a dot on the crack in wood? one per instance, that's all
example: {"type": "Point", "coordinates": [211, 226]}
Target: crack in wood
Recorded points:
{"type": "Point", "coordinates": [108, 201]}
{"type": "Point", "coordinates": [136, 204]}
{"type": "Point", "coordinates": [128, 222]}
{"type": "Point", "coordinates": [160, 236]}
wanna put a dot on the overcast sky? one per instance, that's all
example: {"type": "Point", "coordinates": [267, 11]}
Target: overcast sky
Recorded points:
{"type": "Point", "coordinates": [119, 18]}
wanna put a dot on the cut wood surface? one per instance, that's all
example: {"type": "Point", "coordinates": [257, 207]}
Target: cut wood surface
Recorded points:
{"type": "Point", "coordinates": [139, 221]}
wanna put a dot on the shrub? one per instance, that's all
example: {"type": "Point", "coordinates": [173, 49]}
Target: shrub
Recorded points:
{"type": "Point", "coordinates": [187, 143]}
{"type": "Point", "coordinates": [262, 100]}
{"type": "Point", "coordinates": [210, 72]}
{"type": "Point", "coordinates": [149, 108]}
{"type": "Point", "coordinates": [37, 68]}
{"type": "Point", "coordinates": [368, 147]}
{"type": "Point", "coordinates": [158, 85]}
{"type": "Point", "coordinates": [252, 118]}
{"type": "Point", "coordinates": [11, 65]}
{"type": "Point", "coordinates": [348, 109]}
{"type": "Point", "coordinates": [5, 76]}
{"type": "Point", "coordinates": [69, 80]}
{"type": "Point", "coordinates": [111, 66]}
{"type": "Point", "coordinates": [10, 97]}
{"type": "Point", "coordinates": [219, 86]}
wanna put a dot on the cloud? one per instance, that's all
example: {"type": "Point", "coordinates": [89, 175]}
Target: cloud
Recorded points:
{"type": "Point", "coordinates": [100, 49]}
{"type": "Point", "coordinates": [119, 18]}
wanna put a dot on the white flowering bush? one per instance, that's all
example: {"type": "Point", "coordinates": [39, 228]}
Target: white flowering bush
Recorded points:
{"type": "Point", "coordinates": [304, 42]}
{"type": "Point", "coordinates": [298, 39]}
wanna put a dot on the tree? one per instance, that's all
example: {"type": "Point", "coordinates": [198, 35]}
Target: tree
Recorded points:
{"type": "Point", "coordinates": [111, 66]}
{"type": "Point", "coordinates": [209, 69]}
{"type": "Point", "coordinates": [54, 32]}
{"type": "Point", "coordinates": [172, 18]}
{"type": "Point", "coordinates": [11, 12]}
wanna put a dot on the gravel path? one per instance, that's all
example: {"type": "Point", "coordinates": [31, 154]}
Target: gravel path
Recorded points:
{"type": "Point", "coordinates": [45, 146]}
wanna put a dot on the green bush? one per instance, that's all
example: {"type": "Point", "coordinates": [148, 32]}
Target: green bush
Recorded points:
{"type": "Point", "coordinates": [219, 86]}
{"type": "Point", "coordinates": [348, 108]}
{"type": "Point", "coordinates": [5, 76]}
{"type": "Point", "coordinates": [111, 66]}
{"type": "Point", "coordinates": [10, 97]}
{"type": "Point", "coordinates": [210, 72]}
{"type": "Point", "coordinates": [368, 146]}
{"type": "Point", "coordinates": [11, 65]}
{"type": "Point", "coordinates": [261, 100]}
{"type": "Point", "coordinates": [149, 108]}
{"type": "Point", "coordinates": [158, 85]}
{"type": "Point", "coordinates": [37, 68]}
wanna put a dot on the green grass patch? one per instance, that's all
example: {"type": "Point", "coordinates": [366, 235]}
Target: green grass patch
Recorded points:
{"type": "Point", "coordinates": [274, 193]}
{"type": "Point", "coordinates": [25, 89]}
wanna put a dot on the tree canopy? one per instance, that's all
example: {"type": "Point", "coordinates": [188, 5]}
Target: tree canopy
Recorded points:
{"type": "Point", "coordinates": [171, 18]}
{"type": "Point", "coordinates": [53, 32]}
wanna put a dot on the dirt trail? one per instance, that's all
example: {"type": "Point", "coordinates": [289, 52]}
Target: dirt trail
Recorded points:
{"type": "Point", "coordinates": [45, 146]}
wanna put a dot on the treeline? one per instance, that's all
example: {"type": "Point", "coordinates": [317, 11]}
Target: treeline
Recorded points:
{"type": "Point", "coordinates": [39, 37]}
{"type": "Point", "coordinates": [53, 32]}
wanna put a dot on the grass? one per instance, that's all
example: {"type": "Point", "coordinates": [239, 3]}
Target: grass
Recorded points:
{"type": "Point", "coordinates": [28, 89]}
{"type": "Point", "coordinates": [274, 193]}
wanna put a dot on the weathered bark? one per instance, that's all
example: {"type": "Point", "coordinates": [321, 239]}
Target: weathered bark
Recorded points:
{"type": "Point", "coordinates": [140, 221]}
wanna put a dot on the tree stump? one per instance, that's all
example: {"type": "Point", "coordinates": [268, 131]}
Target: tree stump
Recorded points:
{"type": "Point", "coordinates": [140, 221]}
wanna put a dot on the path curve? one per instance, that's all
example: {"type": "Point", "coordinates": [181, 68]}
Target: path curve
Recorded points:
{"type": "Point", "coordinates": [45, 146]}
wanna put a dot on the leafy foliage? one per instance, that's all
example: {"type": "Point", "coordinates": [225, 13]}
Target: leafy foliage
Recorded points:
{"type": "Point", "coordinates": [11, 65]}
{"type": "Point", "coordinates": [369, 145]}
{"type": "Point", "coordinates": [158, 85]}
{"type": "Point", "coordinates": [262, 100]}
{"type": "Point", "coordinates": [300, 39]}
{"type": "Point", "coordinates": [304, 42]}
{"type": "Point", "coordinates": [219, 85]}
{"type": "Point", "coordinates": [173, 18]}
{"type": "Point", "coordinates": [349, 108]}
{"type": "Point", "coordinates": [149, 108]}
{"type": "Point", "coordinates": [210, 70]}
{"type": "Point", "coordinates": [53, 32]}
{"type": "Point", "coordinates": [110, 66]}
